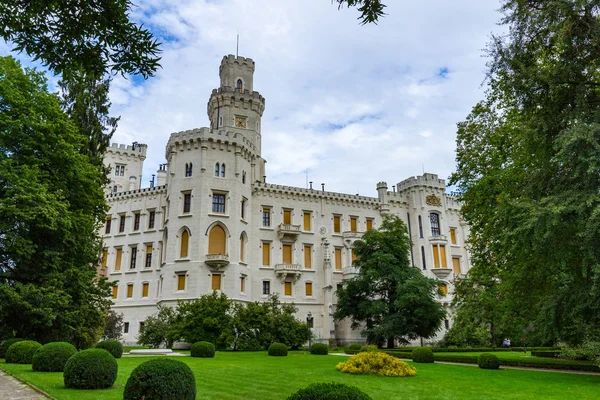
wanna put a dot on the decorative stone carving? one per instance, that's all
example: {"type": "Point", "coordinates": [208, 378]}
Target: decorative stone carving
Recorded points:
{"type": "Point", "coordinates": [433, 200]}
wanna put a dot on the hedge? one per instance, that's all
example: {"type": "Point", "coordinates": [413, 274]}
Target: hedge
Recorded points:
{"type": "Point", "coordinates": [319, 349]}
{"type": "Point", "coordinates": [202, 349]}
{"type": "Point", "coordinates": [278, 349]}
{"type": "Point", "coordinates": [22, 352]}
{"type": "Point", "coordinates": [91, 369]}
{"type": "Point", "coordinates": [546, 354]}
{"type": "Point", "coordinates": [6, 344]}
{"type": "Point", "coordinates": [161, 379]}
{"type": "Point", "coordinates": [475, 349]}
{"type": "Point", "coordinates": [52, 357]}
{"type": "Point", "coordinates": [329, 391]}
{"type": "Point", "coordinates": [114, 347]}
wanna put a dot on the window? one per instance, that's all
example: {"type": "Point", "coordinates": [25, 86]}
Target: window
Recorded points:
{"type": "Point", "coordinates": [108, 224]}
{"type": "Point", "coordinates": [216, 282]}
{"type": "Point", "coordinates": [181, 282]}
{"type": "Point", "coordinates": [104, 257]}
{"type": "Point", "coordinates": [217, 240]}
{"type": "Point", "coordinates": [446, 324]}
{"type": "Point", "coordinates": [287, 217]}
{"type": "Point", "coordinates": [222, 170]}
{"type": "Point", "coordinates": [141, 326]}
{"type": "Point", "coordinates": [115, 189]}
{"type": "Point", "coordinates": [115, 292]}
{"type": "Point", "coordinates": [133, 257]}
{"type": "Point", "coordinates": [243, 247]}
{"type": "Point", "coordinates": [456, 265]}
{"type": "Point", "coordinates": [218, 203]}
{"type": "Point", "coordinates": [266, 288]}
{"type": "Point", "coordinates": [187, 202]}
{"type": "Point", "coordinates": [183, 250]}
{"type": "Point", "coordinates": [307, 216]}
{"type": "Point", "coordinates": [369, 224]}
{"type": "Point", "coordinates": [243, 209]}
{"type": "Point", "coordinates": [287, 253]}
{"type": "Point", "coordinates": [148, 256]}
{"type": "Point", "coordinates": [117, 169]}
{"type": "Point", "coordinates": [266, 253]}
{"type": "Point", "coordinates": [266, 216]}
{"type": "Point", "coordinates": [122, 170]}
{"type": "Point", "coordinates": [145, 287]}
{"type": "Point", "coordinates": [434, 218]}
{"type": "Point", "coordinates": [354, 257]}
{"type": "Point", "coordinates": [121, 224]}
{"type": "Point", "coordinates": [239, 86]}
{"type": "Point", "coordinates": [337, 224]}
{"type": "Point", "coordinates": [118, 259]}
{"type": "Point", "coordinates": [217, 169]}
{"type": "Point", "coordinates": [310, 322]}
{"type": "Point", "coordinates": [221, 120]}
{"type": "Point", "coordinates": [126, 327]}
{"type": "Point", "coordinates": [307, 256]}
{"type": "Point", "coordinates": [353, 224]}
{"type": "Point", "coordinates": [423, 257]}
{"type": "Point", "coordinates": [136, 221]}
{"type": "Point", "coordinates": [439, 256]}
{"type": "Point", "coordinates": [188, 169]}
{"type": "Point", "coordinates": [338, 259]}
{"type": "Point", "coordinates": [129, 290]}
{"type": "Point", "coordinates": [287, 288]}
{"type": "Point", "coordinates": [242, 284]}
{"type": "Point", "coordinates": [443, 288]}
{"type": "Point", "coordinates": [244, 177]}
{"type": "Point", "coordinates": [308, 288]}
{"type": "Point", "coordinates": [453, 235]}
{"type": "Point", "coordinates": [420, 227]}
{"type": "Point", "coordinates": [151, 219]}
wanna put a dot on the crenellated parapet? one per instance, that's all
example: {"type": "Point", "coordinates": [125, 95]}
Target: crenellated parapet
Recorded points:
{"type": "Point", "coordinates": [136, 193]}
{"type": "Point", "coordinates": [196, 138]}
{"type": "Point", "coordinates": [230, 97]}
{"type": "Point", "coordinates": [425, 180]}
{"type": "Point", "coordinates": [268, 189]}
{"type": "Point", "coordinates": [138, 150]}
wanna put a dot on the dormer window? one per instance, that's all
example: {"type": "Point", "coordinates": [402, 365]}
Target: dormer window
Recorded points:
{"type": "Point", "coordinates": [239, 86]}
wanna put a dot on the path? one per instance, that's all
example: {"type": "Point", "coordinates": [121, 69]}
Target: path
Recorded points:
{"type": "Point", "coordinates": [12, 389]}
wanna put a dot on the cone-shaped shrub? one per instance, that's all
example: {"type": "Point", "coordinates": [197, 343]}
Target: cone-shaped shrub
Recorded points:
{"type": "Point", "coordinates": [53, 357]}
{"type": "Point", "coordinates": [22, 352]}
{"type": "Point", "coordinates": [91, 369]}
{"type": "Point", "coordinates": [161, 379]}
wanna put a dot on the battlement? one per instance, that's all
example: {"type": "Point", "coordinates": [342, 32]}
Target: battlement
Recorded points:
{"type": "Point", "coordinates": [242, 61]}
{"type": "Point", "coordinates": [199, 134]}
{"type": "Point", "coordinates": [136, 149]}
{"type": "Point", "coordinates": [259, 186]}
{"type": "Point", "coordinates": [428, 180]}
{"type": "Point", "coordinates": [245, 95]}
{"type": "Point", "coordinates": [135, 193]}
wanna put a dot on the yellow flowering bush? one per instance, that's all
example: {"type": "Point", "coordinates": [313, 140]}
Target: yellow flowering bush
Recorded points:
{"type": "Point", "coordinates": [376, 364]}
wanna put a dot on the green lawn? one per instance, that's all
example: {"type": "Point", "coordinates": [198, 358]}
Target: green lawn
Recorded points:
{"type": "Point", "coordinates": [258, 376]}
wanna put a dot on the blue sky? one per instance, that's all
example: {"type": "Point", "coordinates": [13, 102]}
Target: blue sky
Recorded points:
{"type": "Point", "coordinates": [352, 105]}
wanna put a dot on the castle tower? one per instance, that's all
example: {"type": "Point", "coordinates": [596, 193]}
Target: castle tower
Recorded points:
{"type": "Point", "coordinates": [125, 162]}
{"type": "Point", "coordinates": [234, 105]}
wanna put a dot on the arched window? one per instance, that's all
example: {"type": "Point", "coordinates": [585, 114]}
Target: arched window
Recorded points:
{"type": "Point", "coordinates": [239, 85]}
{"type": "Point", "coordinates": [223, 170]}
{"type": "Point", "coordinates": [217, 240]}
{"type": "Point", "coordinates": [185, 237]}
{"type": "Point", "coordinates": [243, 240]}
{"type": "Point", "coordinates": [434, 218]}
{"type": "Point", "coordinates": [420, 227]}
{"type": "Point", "coordinates": [423, 257]}
{"type": "Point", "coordinates": [217, 169]}
{"type": "Point", "coordinates": [115, 189]}
{"type": "Point", "coordinates": [188, 169]}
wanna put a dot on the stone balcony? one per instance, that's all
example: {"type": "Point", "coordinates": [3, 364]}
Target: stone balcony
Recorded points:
{"type": "Point", "coordinates": [217, 260]}
{"type": "Point", "coordinates": [438, 239]}
{"type": "Point", "coordinates": [349, 272]}
{"type": "Point", "coordinates": [288, 232]}
{"type": "Point", "coordinates": [352, 235]}
{"type": "Point", "coordinates": [283, 271]}
{"type": "Point", "coordinates": [441, 273]}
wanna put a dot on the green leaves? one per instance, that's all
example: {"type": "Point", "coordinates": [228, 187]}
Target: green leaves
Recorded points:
{"type": "Point", "coordinates": [371, 10]}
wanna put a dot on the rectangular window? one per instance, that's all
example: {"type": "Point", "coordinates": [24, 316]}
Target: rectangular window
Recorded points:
{"type": "Point", "coordinates": [148, 256]}
{"type": "Point", "coordinates": [266, 288]}
{"type": "Point", "coordinates": [443, 256]}
{"type": "Point", "coordinates": [181, 282]}
{"type": "Point", "coordinates": [121, 224]}
{"type": "Point", "coordinates": [242, 284]}
{"type": "Point", "coordinates": [307, 216]}
{"type": "Point", "coordinates": [287, 253]}
{"type": "Point", "coordinates": [141, 327]}
{"type": "Point", "coordinates": [353, 256]}
{"type": "Point", "coordinates": [243, 209]}
{"type": "Point", "coordinates": [266, 253]}
{"type": "Point", "coordinates": [444, 289]}
{"type": "Point", "coordinates": [307, 256]}
{"type": "Point", "coordinates": [104, 257]}
{"type": "Point", "coordinates": [136, 221]}
{"type": "Point", "coordinates": [453, 235]}
{"type": "Point", "coordinates": [115, 292]}
{"type": "Point", "coordinates": [187, 202]}
{"type": "Point", "coordinates": [118, 259]}
{"type": "Point", "coordinates": [310, 322]}
{"type": "Point", "coordinates": [337, 224]}
{"type": "Point", "coordinates": [287, 288]}
{"type": "Point", "coordinates": [308, 287]}
{"type": "Point", "coordinates": [287, 217]}
{"type": "Point", "coordinates": [126, 327]}
{"type": "Point", "coordinates": [353, 224]}
{"type": "Point", "coordinates": [434, 218]}
{"type": "Point", "coordinates": [133, 257]}
{"type": "Point", "coordinates": [338, 259]}
{"type": "Point", "coordinates": [266, 216]}
{"type": "Point", "coordinates": [216, 282]}
{"type": "Point", "coordinates": [108, 224]}
{"type": "Point", "coordinates": [456, 265]}
{"type": "Point", "coordinates": [129, 290]}
{"type": "Point", "coordinates": [145, 287]}
{"type": "Point", "coordinates": [447, 324]}
{"type": "Point", "coordinates": [151, 219]}
{"type": "Point", "coordinates": [369, 224]}
{"type": "Point", "coordinates": [436, 256]}
{"type": "Point", "coordinates": [218, 203]}
{"type": "Point", "coordinates": [439, 256]}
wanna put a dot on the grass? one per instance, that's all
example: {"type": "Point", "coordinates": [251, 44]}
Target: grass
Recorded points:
{"type": "Point", "coordinates": [257, 376]}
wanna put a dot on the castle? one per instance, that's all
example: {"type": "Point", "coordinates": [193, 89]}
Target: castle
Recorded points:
{"type": "Point", "coordinates": [212, 222]}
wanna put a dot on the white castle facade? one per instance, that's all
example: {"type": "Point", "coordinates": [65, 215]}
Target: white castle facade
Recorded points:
{"type": "Point", "coordinates": [211, 222]}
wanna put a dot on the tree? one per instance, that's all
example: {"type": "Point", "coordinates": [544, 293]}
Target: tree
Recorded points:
{"type": "Point", "coordinates": [51, 202]}
{"type": "Point", "coordinates": [528, 160]}
{"type": "Point", "coordinates": [158, 329]}
{"type": "Point", "coordinates": [96, 36]}
{"type": "Point", "coordinates": [371, 10]}
{"type": "Point", "coordinates": [114, 326]}
{"type": "Point", "coordinates": [389, 298]}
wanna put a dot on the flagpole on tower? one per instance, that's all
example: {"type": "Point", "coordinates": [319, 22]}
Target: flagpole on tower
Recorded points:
{"type": "Point", "coordinates": [237, 46]}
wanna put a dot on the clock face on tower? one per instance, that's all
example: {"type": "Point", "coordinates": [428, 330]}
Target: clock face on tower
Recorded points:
{"type": "Point", "coordinates": [240, 122]}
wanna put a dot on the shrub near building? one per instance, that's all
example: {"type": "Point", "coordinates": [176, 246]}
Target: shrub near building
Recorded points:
{"type": "Point", "coordinates": [91, 369]}
{"type": "Point", "coordinates": [161, 379]}
{"type": "Point", "coordinates": [22, 352]}
{"type": "Point", "coordinates": [319, 349]}
{"type": "Point", "coordinates": [53, 357]}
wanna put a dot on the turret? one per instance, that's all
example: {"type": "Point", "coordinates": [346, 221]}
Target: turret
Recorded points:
{"type": "Point", "coordinates": [383, 197]}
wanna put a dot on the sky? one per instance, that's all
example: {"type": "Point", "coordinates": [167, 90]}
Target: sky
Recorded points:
{"type": "Point", "coordinates": [346, 105]}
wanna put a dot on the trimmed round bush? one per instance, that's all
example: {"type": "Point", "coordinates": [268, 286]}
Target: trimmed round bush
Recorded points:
{"type": "Point", "coordinates": [114, 347]}
{"type": "Point", "coordinates": [278, 349]}
{"type": "Point", "coordinates": [91, 369]}
{"type": "Point", "coordinates": [52, 357]}
{"type": "Point", "coordinates": [370, 348]}
{"type": "Point", "coordinates": [329, 391]}
{"type": "Point", "coordinates": [22, 352]}
{"type": "Point", "coordinates": [488, 361]}
{"type": "Point", "coordinates": [355, 347]}
{"type": "Point", "coordinates": [6, 344]}
{"type": "Point", "coordinates": [320, 349]}
{"type": "Point", "coordinates": [202, 349]}
{"type": "Point", "coordinates": [422, 355]}
{"type": "Point", "coordinates": [161, 379]}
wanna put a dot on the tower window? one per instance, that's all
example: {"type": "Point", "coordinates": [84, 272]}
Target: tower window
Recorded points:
{"type": "Point", "coordinates": [218, 203]}
{"type": "Point", "coordinates": [222, 170]}
{"type": "Point", "coordinates": [239, 85]}
{"type": "Point", "coordinates": [420, 228]}
{"type": "Point", "coordinates": [188, 169]}
{"type": "Point", "coordinates": [244, 177]}
{"type": "Point", "coordinates": [266, 288]}
{"type": "Point", "coordinates": [187, 202]}
{"type": "Point", "coordinates": [434, 218]}
{"type": "Point", "coordinates": [423, 257]}
{"type": "Point", "coordinates": [115, 189]}
{"type": "Point", "coordinates": [217, 169]}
